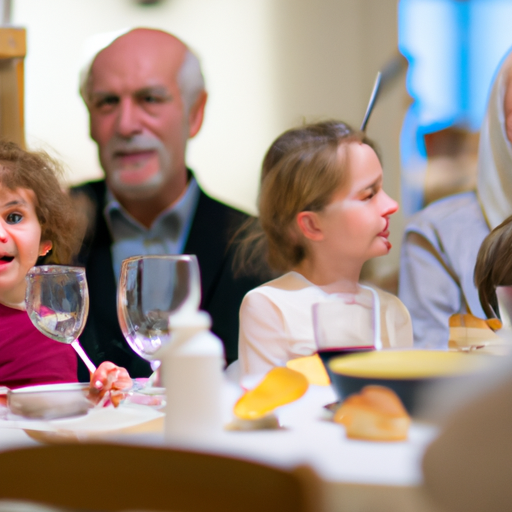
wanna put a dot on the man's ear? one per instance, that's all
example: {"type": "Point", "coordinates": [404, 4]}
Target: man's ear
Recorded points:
{"type": "Point", "coordinates": [309, 226]}
{"type": "Point", "coordinates": [44, 247]}
{"type": "Point", "coordinates": [196, 114]}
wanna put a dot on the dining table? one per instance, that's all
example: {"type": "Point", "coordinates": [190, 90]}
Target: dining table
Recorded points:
{"type": "Point", "coordinates": [355, 475]}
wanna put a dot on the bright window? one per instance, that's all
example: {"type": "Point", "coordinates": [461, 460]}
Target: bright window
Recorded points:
{"type": "Point", "coordinates": [453, 48]}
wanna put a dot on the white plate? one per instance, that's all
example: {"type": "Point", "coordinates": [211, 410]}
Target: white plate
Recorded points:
{"type": "Point", "coordinates": [125, 419]}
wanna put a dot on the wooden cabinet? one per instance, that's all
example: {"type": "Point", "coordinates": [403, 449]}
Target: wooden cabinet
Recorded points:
{"type": "Point", "coordinates": [12, 54]}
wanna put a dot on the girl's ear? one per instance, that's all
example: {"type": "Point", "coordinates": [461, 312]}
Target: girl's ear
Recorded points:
{"type": "Point", "coordinates": [309, 225]}
{"type": "Point", "coordinates": [44, 247]}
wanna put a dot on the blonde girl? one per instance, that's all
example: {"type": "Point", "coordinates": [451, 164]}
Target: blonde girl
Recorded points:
{"type": "Point", "coordinates": [322, 214]}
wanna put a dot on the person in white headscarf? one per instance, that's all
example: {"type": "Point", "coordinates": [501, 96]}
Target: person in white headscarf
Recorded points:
{"type": "Point", "coordinates": [441, 242]}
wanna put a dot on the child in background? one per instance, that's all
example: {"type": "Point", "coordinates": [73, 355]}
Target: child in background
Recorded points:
{"type": "Point", "coordinates": [38, 224]}
{"type": "Point", "coordinates": [322, 214]}
{"type": "Point", "coordinates": [493, 269]}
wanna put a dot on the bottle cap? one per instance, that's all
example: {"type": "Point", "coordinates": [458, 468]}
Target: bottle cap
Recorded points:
{"type": "Point", "coordinates": [190, 319]}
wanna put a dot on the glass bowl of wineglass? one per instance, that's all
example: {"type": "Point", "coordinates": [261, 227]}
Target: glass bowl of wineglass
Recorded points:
{"type": "Point", "coordinates": [336, 336]}
{"type": "Point", "coordinates": [151, 289]}
{"type": "Point", "coordinates": [57, 302]}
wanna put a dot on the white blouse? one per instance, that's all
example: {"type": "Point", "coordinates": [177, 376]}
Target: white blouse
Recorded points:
{"type": "Point", "coordinates": [276, 322]}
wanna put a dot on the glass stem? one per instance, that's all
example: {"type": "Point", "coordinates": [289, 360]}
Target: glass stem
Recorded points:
{"type": "Point", "coordinates": [154, 378]}
{"type": "Point", "coordinates": [83, 356]}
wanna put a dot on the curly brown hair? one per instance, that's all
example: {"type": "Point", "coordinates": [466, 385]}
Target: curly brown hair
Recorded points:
{"type": "Point", "coordinates": [301, 171]}
{"type": "Point", "coordinates": [59, 220]}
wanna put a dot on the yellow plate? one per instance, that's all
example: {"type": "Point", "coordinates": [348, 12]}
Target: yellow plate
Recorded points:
{"type": "Point", "coordinates": [407, 364]}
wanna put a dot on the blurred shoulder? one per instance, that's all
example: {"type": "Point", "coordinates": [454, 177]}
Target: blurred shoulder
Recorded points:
{"type": "Point", "coordinates": [289, 282]}
{"type": "Point", "coordinates": [218, 207]}
{"type": "Point", "coordinates": [94, 190]}
{"type": "Point", "coordinates": [459, 208]}
{"type": "Point", "coordinates": [396, 321]}
{"type": "Point", "coordinates": [390, 301]}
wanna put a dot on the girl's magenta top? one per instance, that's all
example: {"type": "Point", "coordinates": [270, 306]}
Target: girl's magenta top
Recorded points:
{"type": "Point", "coordinates": [28, 357]}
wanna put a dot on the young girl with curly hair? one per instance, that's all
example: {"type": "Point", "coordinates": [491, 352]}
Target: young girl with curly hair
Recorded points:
{"type": "Point", "coordinates": [38, 224]}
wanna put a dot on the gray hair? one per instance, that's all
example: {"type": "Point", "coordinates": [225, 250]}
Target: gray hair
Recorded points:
{"type": "Point", "coordinates": [190, 79]}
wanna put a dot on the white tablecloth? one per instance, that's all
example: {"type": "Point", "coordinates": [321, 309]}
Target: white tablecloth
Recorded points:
{"type": "Point", "coordinates": [358, 475]}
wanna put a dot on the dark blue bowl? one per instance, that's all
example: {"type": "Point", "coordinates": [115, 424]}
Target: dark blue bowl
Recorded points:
{"type": "Point", "coordinates": [409, 373]}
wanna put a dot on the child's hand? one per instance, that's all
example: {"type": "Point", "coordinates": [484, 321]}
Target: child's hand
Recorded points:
{"type": "Point", "coordinates": [107, 378]}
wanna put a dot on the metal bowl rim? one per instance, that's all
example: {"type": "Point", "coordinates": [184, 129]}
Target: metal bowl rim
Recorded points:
{"type": "Point", "coordinates": [46, 388]}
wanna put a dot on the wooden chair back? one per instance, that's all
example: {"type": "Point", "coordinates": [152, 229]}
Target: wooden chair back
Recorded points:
{"type": "Point", "coordinates": [114, 477]}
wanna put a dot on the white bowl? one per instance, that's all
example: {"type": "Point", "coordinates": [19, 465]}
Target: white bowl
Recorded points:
{"type": "Point", "coordinates": [50, 401]}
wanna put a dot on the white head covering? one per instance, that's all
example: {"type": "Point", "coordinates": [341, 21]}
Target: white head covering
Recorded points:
{"type": "Point", "coordinates": [494, 184]}
{"type": "Point", "coordinates": [90, 49]}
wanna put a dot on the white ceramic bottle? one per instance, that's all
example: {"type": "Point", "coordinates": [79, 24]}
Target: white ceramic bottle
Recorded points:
{"type": "Point", "coordinates": [192, 373]}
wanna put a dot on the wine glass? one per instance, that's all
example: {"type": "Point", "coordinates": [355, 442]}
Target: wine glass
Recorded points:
{"type": "Point", "coordinates": [151, 289]}
{"type": "Point", "coordinates": [348, 323]}
{"type": "Point", "coordinates": [57, 302]}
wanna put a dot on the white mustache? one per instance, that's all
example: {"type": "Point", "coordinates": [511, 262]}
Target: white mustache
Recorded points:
{"type": "Point", "coordinates": [133, 145]}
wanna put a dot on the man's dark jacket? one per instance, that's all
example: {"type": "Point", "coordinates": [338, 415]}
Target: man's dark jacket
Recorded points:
{"type": "Point", "coordinates": [209, 239]}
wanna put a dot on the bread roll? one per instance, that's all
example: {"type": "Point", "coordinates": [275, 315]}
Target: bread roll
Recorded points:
{"type": "Point", "coordinates": [470, 332]}
{"type": "Point", "coordinates": [468, 320]}
{"type": "Point", "coordinates": [375, 414]}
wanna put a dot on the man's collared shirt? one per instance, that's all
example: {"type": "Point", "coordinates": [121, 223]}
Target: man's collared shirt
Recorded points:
{"type": "Point", "coordinates": [167, 235]}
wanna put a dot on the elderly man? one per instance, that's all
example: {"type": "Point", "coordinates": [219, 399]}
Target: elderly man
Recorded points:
{"type": "Point", "coordinates": [145, 95]}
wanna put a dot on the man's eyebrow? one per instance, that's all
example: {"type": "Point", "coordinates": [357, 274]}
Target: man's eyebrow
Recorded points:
{"type": "Point", "coordinates": [159, 90]}
{"type": "Point", "coordinates": [101, 94]}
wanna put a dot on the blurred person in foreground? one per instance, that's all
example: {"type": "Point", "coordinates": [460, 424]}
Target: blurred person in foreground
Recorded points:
{"type": "Point", "coordinates": [441, 242]}
{"type": "Point", "coordinates": [146, 97]}
{"type": "Point", "coordinates": [467, 469]}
